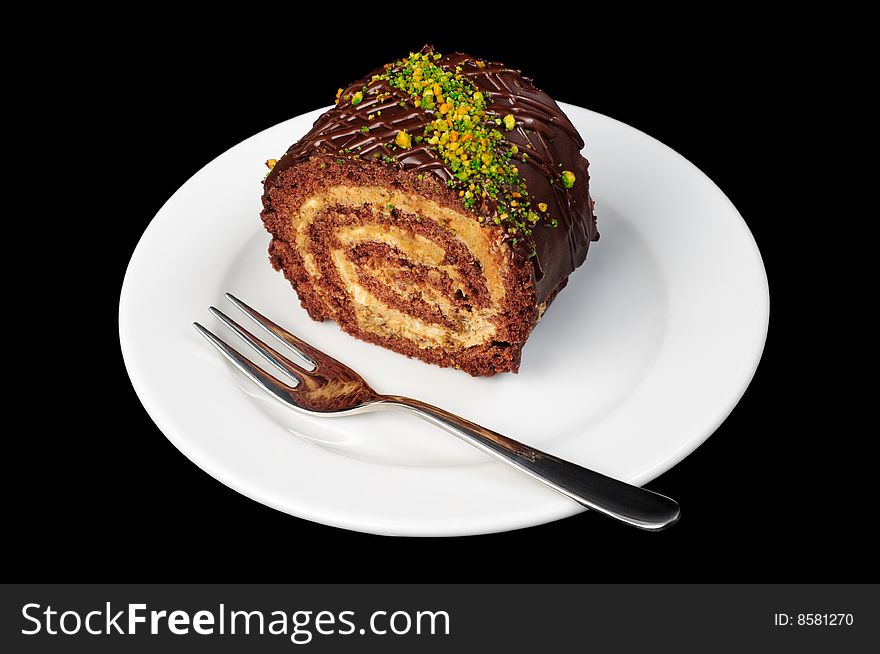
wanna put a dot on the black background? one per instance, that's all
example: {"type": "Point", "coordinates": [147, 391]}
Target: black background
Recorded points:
{"type": "Point", "coordinates": [101, 493]}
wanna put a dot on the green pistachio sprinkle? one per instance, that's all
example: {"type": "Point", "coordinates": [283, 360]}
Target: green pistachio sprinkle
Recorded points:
{"type": "Point", "coordinates": [339, 161]}
{"type": "Point", "coordinates": [467, 139]}
{"type": "Point", "coordinates": [403, 139]}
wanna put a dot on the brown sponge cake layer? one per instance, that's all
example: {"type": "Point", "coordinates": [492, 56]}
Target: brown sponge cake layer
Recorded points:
{"type": "Point", "coordinates": [399, 263]}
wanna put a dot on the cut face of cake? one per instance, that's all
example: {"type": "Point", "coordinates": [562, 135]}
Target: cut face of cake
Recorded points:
{"type": "Point", "coordinates": [436, 210]}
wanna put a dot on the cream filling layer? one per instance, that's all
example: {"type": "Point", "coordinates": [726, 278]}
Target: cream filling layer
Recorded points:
{"type": "Point", "coordinates": [372, 314]}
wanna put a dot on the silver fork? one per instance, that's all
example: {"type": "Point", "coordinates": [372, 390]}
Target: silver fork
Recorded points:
{"type": "Point", "coordinates": [330, 388]}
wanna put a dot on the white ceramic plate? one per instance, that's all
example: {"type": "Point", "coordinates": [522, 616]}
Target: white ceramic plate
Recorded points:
{"type": "Point", "coordinates": [638, 361]}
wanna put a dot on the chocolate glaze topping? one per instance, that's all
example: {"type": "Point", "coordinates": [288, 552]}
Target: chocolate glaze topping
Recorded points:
{"type": "Point", "coordinates": [543, 133]}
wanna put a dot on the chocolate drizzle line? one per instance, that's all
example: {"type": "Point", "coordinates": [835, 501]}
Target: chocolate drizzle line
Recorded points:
{"type": "Point", "coordinates": [542, 132]}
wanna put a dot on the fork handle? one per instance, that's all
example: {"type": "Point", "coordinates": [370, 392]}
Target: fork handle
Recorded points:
{"type": "Point", "coordinates": [630, 504]}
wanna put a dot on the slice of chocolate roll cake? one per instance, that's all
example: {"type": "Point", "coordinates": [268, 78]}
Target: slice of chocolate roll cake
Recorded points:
{"type": "Point", "coordinates": [436, 210]}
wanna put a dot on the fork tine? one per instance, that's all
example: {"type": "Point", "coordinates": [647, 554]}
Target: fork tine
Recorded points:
{"type": "Point", "coordinates": [277, 388]}
{"type": "Point", "coordinates": [308, 352]}
{"type": "Point", "coordinates": [274, 357]}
